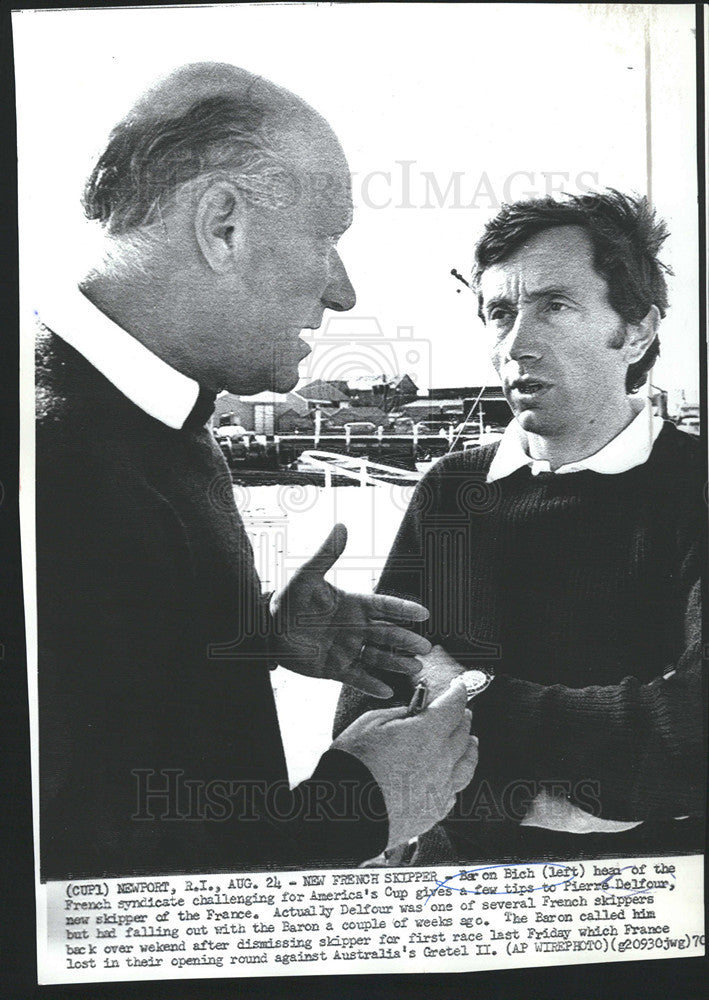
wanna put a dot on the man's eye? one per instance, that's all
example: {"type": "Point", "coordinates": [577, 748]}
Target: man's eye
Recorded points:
{"type": "Point", "coordinates": [499, 316]}
{"type": "Point", "coordinates": [557, 306]}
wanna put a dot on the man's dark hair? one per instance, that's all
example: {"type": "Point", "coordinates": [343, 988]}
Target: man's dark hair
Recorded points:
{"type": "Point", "coordinates": [146, 161]}
{"type": "Point", "coordinates": [626, 237]}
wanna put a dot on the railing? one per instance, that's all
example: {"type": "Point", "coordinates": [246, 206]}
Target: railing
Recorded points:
{"type": "Point", "coordinates": [353, 467]}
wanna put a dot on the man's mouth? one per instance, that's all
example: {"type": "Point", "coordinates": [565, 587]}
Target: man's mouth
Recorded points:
{"type": "Point", "coordinates": [528, 386]}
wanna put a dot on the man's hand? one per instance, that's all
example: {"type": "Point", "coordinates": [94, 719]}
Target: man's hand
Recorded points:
{"type": "Point", "coordinates": [322, 631]}
{"type": "Point", "coordinates": [419, 762]}
{"type": "Point", "coordinates": [438, 669]}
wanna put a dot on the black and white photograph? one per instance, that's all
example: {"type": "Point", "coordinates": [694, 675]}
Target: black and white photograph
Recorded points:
{"type": "Point", "coordinates": [364, 503]}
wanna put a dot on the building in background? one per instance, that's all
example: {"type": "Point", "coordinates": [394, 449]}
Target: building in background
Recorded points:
{"type": "Point", "coordinates": [260, 414]}
{"type": "Point", "coordinates": [388, 394]}
{"type": "Point", "coordinates": [321, 394]}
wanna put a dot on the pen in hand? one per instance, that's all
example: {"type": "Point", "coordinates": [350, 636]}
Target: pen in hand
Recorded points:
{"type": "Point", "coordinates": [419, 699]}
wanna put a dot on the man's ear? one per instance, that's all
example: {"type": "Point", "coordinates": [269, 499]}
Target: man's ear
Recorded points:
{"type": "Point", "coordinates": [639, 336]}
{"type": "Point", "coordinates": [219, 223]}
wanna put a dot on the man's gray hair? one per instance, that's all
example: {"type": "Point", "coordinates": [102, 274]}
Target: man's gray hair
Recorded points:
{"type": "Point", "coordinates": [148, 161]}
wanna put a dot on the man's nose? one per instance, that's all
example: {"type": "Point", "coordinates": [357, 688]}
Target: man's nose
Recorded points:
{"type": "Point", "coordinates": [522, 340]}
{"type": "Point", "coordinates": [339, 294]}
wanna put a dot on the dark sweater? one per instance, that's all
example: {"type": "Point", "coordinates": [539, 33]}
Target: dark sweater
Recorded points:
{"type": "Point", "coordinates": [580, 591]}
{"type": "Point", "coordinates": [152, 656]}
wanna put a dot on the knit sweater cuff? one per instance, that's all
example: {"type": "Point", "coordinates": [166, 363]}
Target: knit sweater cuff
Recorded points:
{"type": "Point", "coordinates": [350, 822]}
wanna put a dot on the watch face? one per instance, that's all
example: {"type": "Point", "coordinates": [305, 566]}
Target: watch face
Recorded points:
{"type": "Point", "coordinates": [475, 681]}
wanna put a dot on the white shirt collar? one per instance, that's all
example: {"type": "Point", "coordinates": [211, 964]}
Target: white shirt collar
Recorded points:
{"type": "Point", "coordinates": [628, 449]}
{"type": "Point", "coordinates": [158, 389]}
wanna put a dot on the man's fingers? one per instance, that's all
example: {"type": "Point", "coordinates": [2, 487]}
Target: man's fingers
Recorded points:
{"type": "Point", "coordinates": [392, 637]}
{"type": "Point", "coordinates": [355, 677]}
{"type": "Point", "coordinates": [328, 553]}
{"type": "Point", "coordinates": [464, 769]}
{"type": "Point", "coordinates": [461, 733]}
{"type": "Point", "coordinates": [379, 659]}
{"type": "Point", "coordinates": [383, 716]}
{"type": "Point", "coordinates": [447, 712]}
{"type": "Point", "coordinates": [448, 709]}
{"type": "Point", "coordinates": [457, 742]}
{"type": "Point", "coordinates": [395, 609]}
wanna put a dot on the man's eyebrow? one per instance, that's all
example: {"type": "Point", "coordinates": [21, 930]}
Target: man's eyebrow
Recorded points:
{"type": "Point", "coordinates": [538, 293]}
{"type": "Point", "coordinates": [498, 300]}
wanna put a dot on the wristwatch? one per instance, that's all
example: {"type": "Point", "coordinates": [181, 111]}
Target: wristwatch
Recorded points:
{"type": "Point", "coordinates": [476, 681]}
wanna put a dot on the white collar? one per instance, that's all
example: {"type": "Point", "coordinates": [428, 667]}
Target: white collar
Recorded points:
{"type": "Point", "coordinates": [158, 389]}
{"type": "Point", "coordinates": [628, 449]}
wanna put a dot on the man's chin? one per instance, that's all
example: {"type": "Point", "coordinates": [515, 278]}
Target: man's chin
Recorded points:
{"type": "Point", "coordinates": [285, 381]}
{"type": "Point", "coordinates": [531, 421]}
{"type": "Point", "coordinates": [281, 382]}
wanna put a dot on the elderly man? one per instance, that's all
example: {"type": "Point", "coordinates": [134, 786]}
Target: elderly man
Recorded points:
{"type": "Point", "coordinates": [222, 198]}
{"type": "Point", "coordinates": [564, 561]}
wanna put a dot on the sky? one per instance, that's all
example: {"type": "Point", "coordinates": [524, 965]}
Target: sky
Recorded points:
{"type": "Point", "coordinates": [444, 111]}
